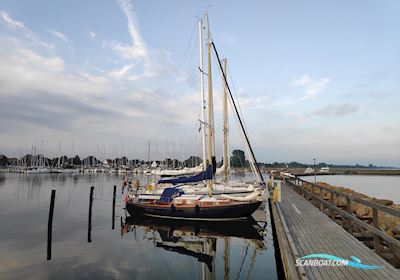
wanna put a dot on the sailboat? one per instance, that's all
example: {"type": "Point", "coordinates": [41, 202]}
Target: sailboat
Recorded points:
{"type": "Point", "coordinates": [225, 187]}
{"type": "Point", "coordinates": [39, 164]}
{"type": "Point", "coordinates": [187, 183]}
{"type": "Point", "coordinates": [178, 172]}
{"type": "Point", "coordinates": [174, 203]}
{"type": "Point", "coordinates": [198, 240]}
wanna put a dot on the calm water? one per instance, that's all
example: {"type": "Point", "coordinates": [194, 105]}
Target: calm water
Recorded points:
{"type": "Point", "coordinates": [385, 187]}
{"type": "Point", "coordinates": [135, 249]}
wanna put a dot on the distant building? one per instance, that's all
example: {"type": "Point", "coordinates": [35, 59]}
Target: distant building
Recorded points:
{"type": "Point", "coordinates": [90, 161]}
{"type": "Point", "coordinates": [168, 162]}
{"type": "Point", "coordinates": [124, 161]}
{"type": "Point", "coordinates": [309, 170]}
{"type": "Point", "coordinates": [3, 161]}
{"type": "Point", "coordinates": [13, 161]}
{"type": "Point", "coordinates": [324, 170]}
{"type": "Point", "coordinates": [134, 162]}
{"type": "Point", "coordinates": [175, 163]}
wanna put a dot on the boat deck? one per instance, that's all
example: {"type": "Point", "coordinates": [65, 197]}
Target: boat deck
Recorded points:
{"type": "Point", "coordinates": [302, 230]}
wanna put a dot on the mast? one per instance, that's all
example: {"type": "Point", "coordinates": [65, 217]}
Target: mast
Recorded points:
{"type": "Point", "coordinates": [203, 105]}
{"type": "Point", "coordinates": [225, 122]}
{"type": "Point", "coordinates": [203, 265]}
{"type": "Point", "coordinates": [252, 158]}
{"type": "Point", "coordinates": [252, 261]}
{"type": "Point", "coordinates": [210, 110]}
{"type": "Point", "coordinates": [148, 153]}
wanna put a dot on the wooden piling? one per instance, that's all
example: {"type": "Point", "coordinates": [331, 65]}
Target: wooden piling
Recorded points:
{"type": "Point", "coordinates": [50, 224]}
{"type": "Point", "coordinates": [350, 211]}
{"type": "Point", "coordinates": [331, 211]}
{"type": "Point", "coordinates": [113, 207]}
{"type": "Point", "coordinates": [377, 240]}
{"type": "Point", "coordinates": [90, 214]}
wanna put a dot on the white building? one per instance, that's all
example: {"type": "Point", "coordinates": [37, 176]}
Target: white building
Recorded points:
{"type": "Point", "coordinates": [309, 170]}
{"type": "Point", "coordinates": [324, 170]}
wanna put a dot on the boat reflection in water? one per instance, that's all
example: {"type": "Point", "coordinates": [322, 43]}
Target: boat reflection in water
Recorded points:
{"type": "Point", "coordinates": [199, 240]}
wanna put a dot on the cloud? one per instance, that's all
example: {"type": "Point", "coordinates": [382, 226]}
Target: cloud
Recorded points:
{"type": "Point", "coordinates": [137, 51]}
{"type": "Point", "coordinates": [5, 16]}
{"type": "Point", "coordinates": [42, 99]}
{"type": "Point", "coordinates": [311, 86]}
{"type": "Point", "coordinates": [122, 72]}
{"type": "Point", "coordinates": [338, 110]}
{"type": "Point", "coordinates": [92, 35]}
{"type": "Point", "coordinates": [148, 63]}
{"type": "Point", "coordinates": [58, 35]}
{"type": "Point", "coordinates": [19, 27]}
{"type": "Point", "coordinates": [37, 92]}
{"type": "Point", "coordinates": [138, 47]}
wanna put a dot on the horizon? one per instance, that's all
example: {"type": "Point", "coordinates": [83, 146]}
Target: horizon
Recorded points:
{"type": "Point", "coordinates": [101, 159]}
{"type": "Point", "coordinates": [314, 80]}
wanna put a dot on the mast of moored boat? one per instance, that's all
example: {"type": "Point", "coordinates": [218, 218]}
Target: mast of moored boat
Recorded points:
{"type": "Point", "coordinates": [210, 111]}
{"type": "Point", "coordinates": [252, 159]}
{"type": "Point", "coordinates": [225, 123]}
{"type": "Point", "coordinates": [203, 105]}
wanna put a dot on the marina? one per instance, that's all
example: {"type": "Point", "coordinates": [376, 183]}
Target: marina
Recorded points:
{"type": "Point", "coordinates": [134, 247]}
{"type": "Point", "coordinates": [195, 140]}
{"type": "Point", "coordinates": [299, 227]}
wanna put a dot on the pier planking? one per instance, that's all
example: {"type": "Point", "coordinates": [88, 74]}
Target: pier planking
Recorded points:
{"type": "Point", "coordinates": [312, 232]}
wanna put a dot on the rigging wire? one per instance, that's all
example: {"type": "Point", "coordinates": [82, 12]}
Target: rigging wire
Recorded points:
{"type": "Point", "coordinates": [243, 164]}
{"type": "Point", "coordinates": [239, 119]}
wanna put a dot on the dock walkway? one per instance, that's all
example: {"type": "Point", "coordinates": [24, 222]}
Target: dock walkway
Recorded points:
{"type": "Point", "coordinates": [302, 230]}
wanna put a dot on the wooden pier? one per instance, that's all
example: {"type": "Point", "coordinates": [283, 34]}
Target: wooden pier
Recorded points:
{"type": "Point", "coordinates": [303, 229]}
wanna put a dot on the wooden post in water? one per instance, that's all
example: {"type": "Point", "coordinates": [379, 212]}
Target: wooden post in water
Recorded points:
{"type": "Point", "coordinates": [50, 224]}
{"type": "Point", "coordinates": [89, 238]}
{"type": "Point", "coordinates": [113, 207]}
{"type": "Point", "coordinates": [375, 222]}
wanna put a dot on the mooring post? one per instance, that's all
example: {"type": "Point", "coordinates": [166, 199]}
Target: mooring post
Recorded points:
{"type": "Point", "coordinates": [122, 227]}
{"type": "Point", "coordinates": [90, 215]}
{"type": "Point", "coordinates": [348, 209]}
{"type": "Point", "coordinates": [113, 207]}
{"type": "Point", "coordinates": [50, 224]}
{"type": "Point", "coordinates": [332, 200]}
{"type": "Point", "coordinates": [375, 223]}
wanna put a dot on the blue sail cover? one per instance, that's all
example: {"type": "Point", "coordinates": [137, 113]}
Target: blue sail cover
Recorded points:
{"type": "Point", "coordinates": [169, 194]}
{"type": "Point", "coordinates": [205, 175]}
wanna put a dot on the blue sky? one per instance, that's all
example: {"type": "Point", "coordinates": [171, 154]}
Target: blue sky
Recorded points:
{"type": "Point", "coordinates": [315, 79]}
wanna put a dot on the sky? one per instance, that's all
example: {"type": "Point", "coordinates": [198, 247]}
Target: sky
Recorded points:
{"type": "Point", "coordinates": [314, 79]}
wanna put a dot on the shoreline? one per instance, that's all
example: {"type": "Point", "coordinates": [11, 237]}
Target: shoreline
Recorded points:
{"type": "Point", "coordinates": [338, 171]}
